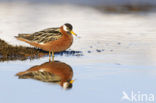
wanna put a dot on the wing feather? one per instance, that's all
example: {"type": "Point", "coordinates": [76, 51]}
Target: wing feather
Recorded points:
{"type": "Point", "coordinates": [43, 36]}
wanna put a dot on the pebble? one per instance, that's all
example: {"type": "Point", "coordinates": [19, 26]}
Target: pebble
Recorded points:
{"type": "Point", "coordinates": [89, 51]}
{"type": "Point", "coordinates": [119, 43]}
{"type": "Point", "coordinates": [98, 50]}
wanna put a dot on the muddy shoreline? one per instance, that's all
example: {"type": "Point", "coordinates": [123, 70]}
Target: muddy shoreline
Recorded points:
{"type": "Point", "coordinates": [9, 52]}
{"type": "Point", "coordinates": [126, 8]}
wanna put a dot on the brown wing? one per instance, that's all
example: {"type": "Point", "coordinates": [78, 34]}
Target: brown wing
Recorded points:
{"type": "Point", "coordinates": [43, 36]}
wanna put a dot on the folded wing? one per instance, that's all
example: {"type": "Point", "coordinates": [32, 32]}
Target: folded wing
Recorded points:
{"type": "Point", "coordinates": [43, 36]}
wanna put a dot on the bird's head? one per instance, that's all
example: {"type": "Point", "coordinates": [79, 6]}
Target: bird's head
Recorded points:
{"type": "Point", "coordinates": [68, 28]}
{"type": "Point", "coordinates": [68, 85]}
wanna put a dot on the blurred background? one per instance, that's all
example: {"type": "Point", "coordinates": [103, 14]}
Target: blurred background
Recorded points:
{"type": "Point", "coordinates": [90, 2]}
{"type": "Point", "coordinates": [105, 4]}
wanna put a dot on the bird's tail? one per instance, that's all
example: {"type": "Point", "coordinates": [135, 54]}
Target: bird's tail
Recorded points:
{"type": "Point", "coordinates": [24, 75]}
{"type": "Point", "coordinates": [21, 73]}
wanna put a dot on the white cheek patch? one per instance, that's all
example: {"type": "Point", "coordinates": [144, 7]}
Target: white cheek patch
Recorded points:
{"type": "Point", "coordinates": [65, 28]}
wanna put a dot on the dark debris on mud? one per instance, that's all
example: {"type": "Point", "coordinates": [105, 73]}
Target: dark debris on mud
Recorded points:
{"type": "Point", "coordinates": [10, 53]}
{"type": "Point", "coordinates": [127, 8]}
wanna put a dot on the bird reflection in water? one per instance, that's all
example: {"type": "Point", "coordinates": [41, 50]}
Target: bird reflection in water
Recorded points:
{"type": "Point", "coordinates": [56, 72]}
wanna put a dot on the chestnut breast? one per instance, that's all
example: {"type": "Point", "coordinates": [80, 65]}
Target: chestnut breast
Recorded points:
{"type": "Point", "coordinates": [61, 44]}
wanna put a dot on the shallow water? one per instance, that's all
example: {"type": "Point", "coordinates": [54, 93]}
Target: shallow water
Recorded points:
{"type": "Point", "coordinates": [95, 81]}
{"type": "Point", "coordinates": [118, 54]}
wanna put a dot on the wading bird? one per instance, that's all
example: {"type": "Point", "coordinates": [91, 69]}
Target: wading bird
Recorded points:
{"type": "Point", "coordinates": [51, 39]}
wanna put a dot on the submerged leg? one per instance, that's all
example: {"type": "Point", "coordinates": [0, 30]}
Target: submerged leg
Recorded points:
{"type": "Point", "coordinates": [49, 56]}
{"type": "Point", "coordinates": [52, 56]}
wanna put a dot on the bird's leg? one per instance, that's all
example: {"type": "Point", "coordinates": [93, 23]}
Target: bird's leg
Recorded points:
{"type": "Point", "coordinates": [49, 56]}
{"type": "Point", "coordinates": [52, 56]}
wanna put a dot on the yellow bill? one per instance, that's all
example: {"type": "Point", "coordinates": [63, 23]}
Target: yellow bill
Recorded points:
{"type": "Point", "coordinates": [72, 81]}
{"type": "Point", "coordinates": [73, 33]}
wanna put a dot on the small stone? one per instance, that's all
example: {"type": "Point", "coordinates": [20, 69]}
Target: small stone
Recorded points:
{"type": "Point", "coordinates": [98, 50]}
{"type": "Point", "coordinates": [117, 63]}
{"type": "Point", "coordinates": [89, 51]}
{"type": "Point", "coordinates": [119, 43]}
